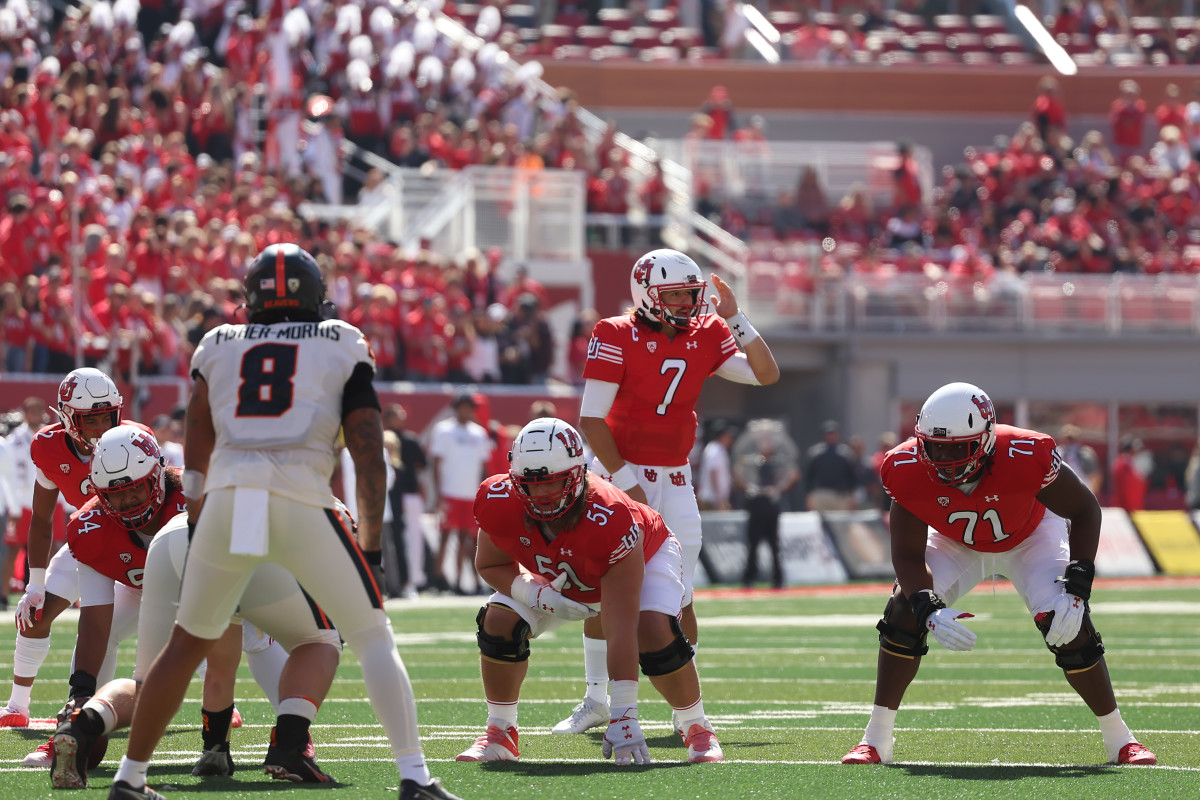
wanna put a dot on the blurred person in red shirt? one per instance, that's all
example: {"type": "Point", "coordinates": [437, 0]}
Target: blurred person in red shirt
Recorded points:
{"type": "Point", "coordinates": [719, 109]}
{"type": "Point", "coordinates": [1129, 471]}
{"type": "Point", "coordinates": [1127, 115]}
{"type": "Point", "coordinates": [1049, 114]}
{"type": "Point", "coordinates": [1172, 110]}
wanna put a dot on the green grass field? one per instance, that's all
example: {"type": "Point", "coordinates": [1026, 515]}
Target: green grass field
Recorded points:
{"type": "Point", "coordinates": [788, 681]}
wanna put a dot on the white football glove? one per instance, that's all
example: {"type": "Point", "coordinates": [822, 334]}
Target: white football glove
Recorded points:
{"type": "Point", "coordinates": [1068, 617]}
{"type": "Point", "coordinates": [625, 739]}
{"type": "Point", "coordinates": [547, 597]}
{"type": "Point", "coordinates": [29, 609]}
{"type": "Point", "coordinates": [951, 634]}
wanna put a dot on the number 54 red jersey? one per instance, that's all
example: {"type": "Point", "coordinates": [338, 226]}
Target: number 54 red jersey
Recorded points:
{"type": "Point", "coordinates": [104, 544]}
{"type": "Point", "coordinates": [1000, 512]}
{"type": "Point", "coordinates": [607, 532]}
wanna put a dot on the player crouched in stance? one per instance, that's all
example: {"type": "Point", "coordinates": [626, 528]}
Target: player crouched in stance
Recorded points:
{"type": "Point", "coordinates": [999, 501]}
{"type": "Point", "coordinates": [274, 602]}
{"type": "Point", "coordinates": [555, 543]}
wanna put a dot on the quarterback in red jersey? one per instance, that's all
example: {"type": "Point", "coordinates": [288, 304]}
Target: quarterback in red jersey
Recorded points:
{"type": "Point", "coordinates": [554, 544]}
{"type": "Point", "coordinates": [999, 501]}
{"type": "Point", "coordinates": [642, 378]}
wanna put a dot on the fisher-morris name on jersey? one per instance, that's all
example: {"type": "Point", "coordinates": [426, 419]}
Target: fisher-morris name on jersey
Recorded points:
{"type": "Point", "coordinates": [295, 330]}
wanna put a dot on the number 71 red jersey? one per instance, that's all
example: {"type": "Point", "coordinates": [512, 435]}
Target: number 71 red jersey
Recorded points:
{"type": "Point", "coordinates": [653, 417]}
{"type": "Point", "coordinates": [1003, 509]}
{"type": "Point", "coordinates": [606, 533]}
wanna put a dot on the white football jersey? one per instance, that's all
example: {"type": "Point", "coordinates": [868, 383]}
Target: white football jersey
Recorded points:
{"type": "Point", "coordinates": [276, 398]}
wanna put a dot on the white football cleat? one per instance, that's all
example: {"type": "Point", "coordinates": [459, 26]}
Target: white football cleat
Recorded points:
{"type": "Point", "coordinates": [702, 744]}
{"type": "Point", "coordinates": [495, 745]}
{"type": "Point", "coordinates": [585, 716]}
{"type": "Point", "coordinates": [40, 757]}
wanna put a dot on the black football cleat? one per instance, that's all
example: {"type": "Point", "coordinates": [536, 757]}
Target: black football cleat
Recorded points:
{"type": "Point", "coordinates": [411, 790]}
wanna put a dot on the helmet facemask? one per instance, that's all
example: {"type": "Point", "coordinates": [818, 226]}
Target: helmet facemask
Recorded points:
{"type": "Point", "coordinates": [136, 503]}
{"type": "Point", "coordinates": [682, 316]}
{"type": "Point", "coordinates": [549, 504]}
{"type": "Point", "coordinates": [954, 460]}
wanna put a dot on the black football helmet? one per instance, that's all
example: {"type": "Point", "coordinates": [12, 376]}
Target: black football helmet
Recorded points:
{"type": "Point", "coordinates": [285, 283]}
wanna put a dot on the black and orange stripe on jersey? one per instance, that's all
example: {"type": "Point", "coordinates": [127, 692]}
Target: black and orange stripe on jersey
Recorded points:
{"type": "Point", "coordinates": [346, 537]}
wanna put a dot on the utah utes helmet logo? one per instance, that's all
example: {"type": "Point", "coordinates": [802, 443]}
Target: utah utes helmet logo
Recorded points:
{"type": "Point", "coordinates": [641, 271]}
{"type": "Point", "coordinates": [570, 441]}
{"type": "Point", "coordinates": [984, 404]}
{"type": "Point", "coordinates": [66, 389]}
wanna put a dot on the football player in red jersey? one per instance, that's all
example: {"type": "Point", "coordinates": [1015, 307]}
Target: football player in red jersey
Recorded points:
{"type": "Point", "coordinates": [554, 545]}
{"type": "Point", "coordinates": [999, 501]}
{"type": "Point", "coordinates": [642, 379]}
{"type": "Point", "coordinates": [88, 405]}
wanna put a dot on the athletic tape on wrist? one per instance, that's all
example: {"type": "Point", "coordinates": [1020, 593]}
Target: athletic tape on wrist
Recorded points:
{"type": "Point", "coordinates": [193, 484]}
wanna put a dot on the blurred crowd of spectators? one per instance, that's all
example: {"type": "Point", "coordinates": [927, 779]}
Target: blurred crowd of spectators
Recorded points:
{"type": "Point", "coordinates": [161, 149]}
{"type": "Point", "coordinates": [1115, 201]}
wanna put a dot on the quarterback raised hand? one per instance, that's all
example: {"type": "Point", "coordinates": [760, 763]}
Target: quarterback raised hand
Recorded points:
{"type": "Point", "coordinates": [29, 609]}
{"type": "Point", "coordinates": [548, 597]}
{"type": "Point", "coordinates": [942, 622]}
{"type": "Point", "coordinates": [624, 741]}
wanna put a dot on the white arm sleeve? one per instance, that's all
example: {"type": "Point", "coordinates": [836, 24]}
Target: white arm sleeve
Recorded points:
{"type": "Point", "coordinates": [737, 369]}
{"type": "Point", "coordinates": [94, 589]}
{"type": "Point", "coordinates": [43, 481]}
{"type": "Point", "coordinates": [598, 397]}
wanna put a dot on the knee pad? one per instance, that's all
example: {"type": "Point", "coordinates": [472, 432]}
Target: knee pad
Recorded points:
{"type": "Point", "coordinates": [498, 648]}
{"type": "Point", "coordinates": [1081, 658]}
{"type": "Point", "coordinates": [896, 641]}
{"type": "Point", "coordinates": [671, 658]}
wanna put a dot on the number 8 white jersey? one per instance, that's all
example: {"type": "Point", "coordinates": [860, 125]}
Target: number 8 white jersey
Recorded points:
{"type": "Point", "coordinates": [276, 398]}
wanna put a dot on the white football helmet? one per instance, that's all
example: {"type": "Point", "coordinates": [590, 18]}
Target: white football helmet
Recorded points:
{"type": "Point", "coordinates": [88, 404]}
{"type": "Point", "coordinates": [129, 476]}
{"type": "Point", "coordinates": [956, 432]}
{"type": "Point", "coordinates": [548, 450]}
{"type": "Point", "coordinates": [661, 271]}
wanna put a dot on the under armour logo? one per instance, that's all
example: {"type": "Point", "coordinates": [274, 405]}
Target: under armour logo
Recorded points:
{"type": "Point", "coordinates": [692, 345]}
{"type": "Point", "coordinates": [991, 498]}
{"type": "Point", "coordinates": [567, 552]}
{"type": "Point", "coordinates": [737, 329]}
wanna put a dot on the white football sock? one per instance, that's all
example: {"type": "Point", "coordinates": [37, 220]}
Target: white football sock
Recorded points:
{"type": "Point", "coordinates": [595, 669]}
{"type": "Point", "coordinates": [132, 772]}
{"type": "Point", "coordinates": [27, 659]}
{"type": "Point", "coordinates": [879, 729]}
{"type": "Point", "coordinates": [1115, 732]}
{"type": "Point", "coordinates": [266, 665]}
{"type": "Point", "coordinates": [504, 713]}
{"type": "Point", "coordinates": [298, 706]}
{"type": "Point", "coordinates": [690, 715]}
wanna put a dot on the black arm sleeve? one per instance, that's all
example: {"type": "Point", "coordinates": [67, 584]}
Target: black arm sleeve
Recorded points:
{"type": "Point", "coordinates": [359, 392]}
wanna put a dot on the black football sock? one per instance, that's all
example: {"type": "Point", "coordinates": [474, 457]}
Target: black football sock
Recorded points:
{"type": "Point", "coordinates": [216, 726]}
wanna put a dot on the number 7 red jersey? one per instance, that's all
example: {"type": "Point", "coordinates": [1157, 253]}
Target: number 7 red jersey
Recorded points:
{"type": "Point", "coordinates": [606, 533]}
{"type": "Point", "coordinates": [653, 417]}
{"type": "Point", "coordinates": [1003, 509]}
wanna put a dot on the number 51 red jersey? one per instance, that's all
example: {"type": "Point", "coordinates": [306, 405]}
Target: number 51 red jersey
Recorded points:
{"type": "Point", "coordinates": [607, 532]}
{"type": "Point", "coordinates": [1000, 512]}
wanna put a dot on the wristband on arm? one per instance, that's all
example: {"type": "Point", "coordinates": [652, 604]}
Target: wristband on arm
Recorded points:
{"type": "Point", "coordinates": [923, 604]}
{"type": "Point", "coordinates": [743, 332]}
{"type": "Point", "coordinates": [37, 575]}
{"type": "Point", "coordinates": [1078, 578]}
{"type": "Point", "coordinates": [625, 478]}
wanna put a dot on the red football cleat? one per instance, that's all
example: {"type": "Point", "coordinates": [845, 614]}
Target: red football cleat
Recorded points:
{"type": "Point", "coordinates": [862, 754]}
{"type": "Point", "coordinates": [1136, 754]}
{"type": "Point", "coordinates": [236, 720]}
